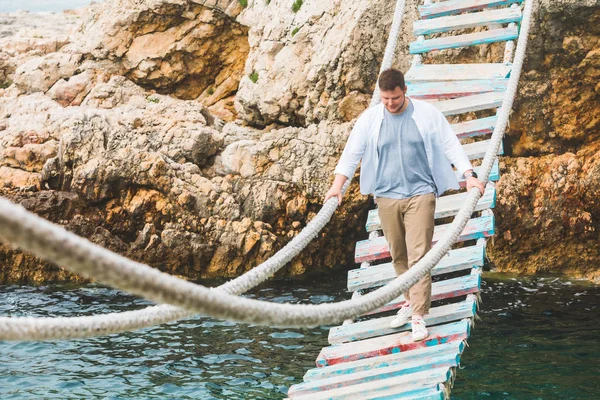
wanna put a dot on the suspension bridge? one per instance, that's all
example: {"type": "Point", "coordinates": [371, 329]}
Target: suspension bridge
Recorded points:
{"type": "Point", "coordinates": [366, 358]}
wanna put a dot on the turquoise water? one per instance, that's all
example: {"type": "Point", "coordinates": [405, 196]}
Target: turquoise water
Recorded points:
{"type": "Point", "coordinates": [42, 5]}
{"type": "Point", "coordinates": [539, 338]}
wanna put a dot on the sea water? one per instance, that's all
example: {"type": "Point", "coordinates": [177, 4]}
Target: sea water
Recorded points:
{"type": "Point", "coordinates": [42, 5]}
{"type": "Point", "coordinates": [538, 338]}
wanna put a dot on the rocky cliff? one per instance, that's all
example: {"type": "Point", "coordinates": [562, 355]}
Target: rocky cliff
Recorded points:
{"type": "Point", "coordinates": [199, 136]}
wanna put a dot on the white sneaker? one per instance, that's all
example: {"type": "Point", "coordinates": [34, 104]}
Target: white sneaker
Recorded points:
{"type": "Point", "coordinates": [402, 317]}
{"type": "Point", "coordinates": [419, 329]}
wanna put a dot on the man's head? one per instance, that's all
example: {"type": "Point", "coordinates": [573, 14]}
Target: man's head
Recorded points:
{"type": "Point", "coordinates": [393, 90]}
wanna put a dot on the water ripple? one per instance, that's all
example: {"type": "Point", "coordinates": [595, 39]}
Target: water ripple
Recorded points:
{"type": "Point", "coordinates": [538, 339]}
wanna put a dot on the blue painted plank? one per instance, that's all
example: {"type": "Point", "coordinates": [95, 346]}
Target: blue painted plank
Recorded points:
{"type": "Point", "coordinates": [396, 343]}
{"type": "Point", "coordinates": [451, 89]}
{"type": "Point", "coordinates": [407, 374]}
{"type": "Point", "coordinates": [476, 102]}
{"type": "Point", "coordinates": [464, 21]}
{"type": "Point", "coordinates": [433, 393]}
{"type": "Point", "coordinates": [381, 326]}
{"type": "Point", "coordinates": [457, 72]}
{"type": "Point", "coordinates": [414, 357]}
{"type": "Point", "coordinates": [446, 206]}
{"type": "Point", "coordinates": [378, 275]}
{"type": "Point", "coordinates": [452, 7]}
{"type": "Point", "coordinates": [470, 39]}
{"type": "Point", "coordinates": [477, 127]}
{"type": "Point", "coordinates": [450, 288]}
{"type": "Point", "coordinates": [399, 387]}
{"type": "Point", "coordinates": [478, 149]}
{"type": "Point", "coordinates": [494, 174]}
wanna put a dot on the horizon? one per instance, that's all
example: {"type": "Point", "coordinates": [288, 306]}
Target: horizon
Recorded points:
{"type": "Point", "coordinates": [34, 6]}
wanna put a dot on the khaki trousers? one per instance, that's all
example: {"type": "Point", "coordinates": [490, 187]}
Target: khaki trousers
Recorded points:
{"type": "Point", "coordinates": [408, 228]}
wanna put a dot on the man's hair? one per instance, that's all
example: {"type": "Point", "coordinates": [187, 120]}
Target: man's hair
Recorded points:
{"type": "Point", "coordinates": [390, 79]}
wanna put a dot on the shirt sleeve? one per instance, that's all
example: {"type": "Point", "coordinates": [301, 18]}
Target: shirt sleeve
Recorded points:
{"type": "Point", "coordinates": [452, 147]}
{"type": "Point", "coordinates": [354, 150]}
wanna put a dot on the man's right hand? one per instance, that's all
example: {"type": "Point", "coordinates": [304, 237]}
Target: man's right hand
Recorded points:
{"type": "Point", "coordinates": [334, 192]}
{"type": "Point", "coordinates": [336, 188]}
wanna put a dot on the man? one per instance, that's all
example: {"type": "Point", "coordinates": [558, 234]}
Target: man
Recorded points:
{"type": "Point", "coordinates": [407, 148]}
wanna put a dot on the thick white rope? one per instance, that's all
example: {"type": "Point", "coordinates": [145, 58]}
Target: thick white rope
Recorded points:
{"type": "Point", "coordinates": [79, 327]}
{"type": "Point", "coordinates": [390, 48]}
{"type": "Point", "coordinates": [55, 244]}
{"type": "Point", "coordinates": [32, 328]}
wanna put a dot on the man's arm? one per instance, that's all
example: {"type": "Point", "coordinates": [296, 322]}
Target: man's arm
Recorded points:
{"type": "Point", "coordinates": [353, 152]}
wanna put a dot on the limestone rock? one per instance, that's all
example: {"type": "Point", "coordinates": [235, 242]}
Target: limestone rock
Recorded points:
{"type": "Point", "coordinates": [305, 63]}
{"type": "Point", "coordinates": [26, 35]}
{"type": "Point", "coordinates": [556, 110]}
{"type": "Point", "coordinates": [185, 48]}
{"type": "Point", "coordinates": [551, 201]}
{"type": "Point", "coordinates": [40, 73]}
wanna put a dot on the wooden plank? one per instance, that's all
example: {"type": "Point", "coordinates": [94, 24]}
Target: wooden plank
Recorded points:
{"type": "Point", "coordinates": [450, 89]}
{"type": "Point", "coordinates": [401, 387]}
{"type": "Point", "coordinates": [447, 289]}
{"type": "Point", "coordinates": [445, 206]}
{"type": "Point", "coordinates": [378, 248]}
{"type": "Point", "coordinates": [422, 355]}
{"type": "Point", "coordinates": [477, 127]}
{"type": "Point", "coordinates": [494, 174]}
{"type": "Point", "coordinates": [477, 150]}
{"type": "Point", "coordinates": [396, 343]}
{"type": "Point", "coordinates": [470, 39]}
{"type": "Point", "coordinates": [436, 392]}
{"type": "Point", "coordinates": [378, 275]}
{"type": "Point", "coordinates": [452, 7]}
{"type": "Point", "coordinates": [381, 326]}
{"type": "Point", "coordinates": [476, 102]}
{"type": "Point", "coordinates": [403, 373]}
{"type": "Point", "coordinates": [457, 72]}
{"type": "Point", "coordinates": [433, 393]}
{"type": "Point", "coordinates": [464, 21]}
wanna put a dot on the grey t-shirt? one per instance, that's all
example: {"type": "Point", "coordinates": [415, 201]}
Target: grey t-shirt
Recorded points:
{"type": "Point", "coordinates": [403, 170]}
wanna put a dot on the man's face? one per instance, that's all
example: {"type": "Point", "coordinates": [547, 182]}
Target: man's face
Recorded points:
{"type": "Point", "coordinates": [393, 100]}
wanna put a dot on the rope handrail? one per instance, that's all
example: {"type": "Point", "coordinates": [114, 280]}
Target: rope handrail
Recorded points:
{"type": "Point", "coordinates": [56, 244]}
{"type": "Point", "coordinates": [79, 327]}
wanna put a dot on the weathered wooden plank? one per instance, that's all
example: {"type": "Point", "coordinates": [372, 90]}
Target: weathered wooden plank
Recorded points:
{"type": "Point", "coordinates": [381, 326]}
{"type": "Point", "coordinates": [457, 72]}
{"type": "Point", "coordinates": [478, 149]}
{"type": "Point", "coordinates": [379, 275]}
{"type": "Point", "coordinates": [378, 248]}
{"type": "Point", "coordinates": [494, 174]}
{"type": "Point", "coordinates": [396, 343]}
{"type": "Point", "coordinates": [476, 102]}
{"type": "Point", "coordinates": [470, 39]}
{"type": "Point", "coordinates": [404, 373]}
{"type": "Point", "coordinates": [447, 289]}
{"type": "Point", "coordinates": [477, 127]}
{"type": "Point", "coordinates": [433, 393]}
{"type": "Point", "coordinates": [402, 388]}
{"type": "Point", "coordinates": [450, 89]}
{"type": "Point", "coordinates": [472, 20]}
{"type": "Point", "coordinates": [452, 7]}
{"type": "Point", "coordinates": [418, 356]}
{"type": "Point", "coordinates": [446, 206]}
